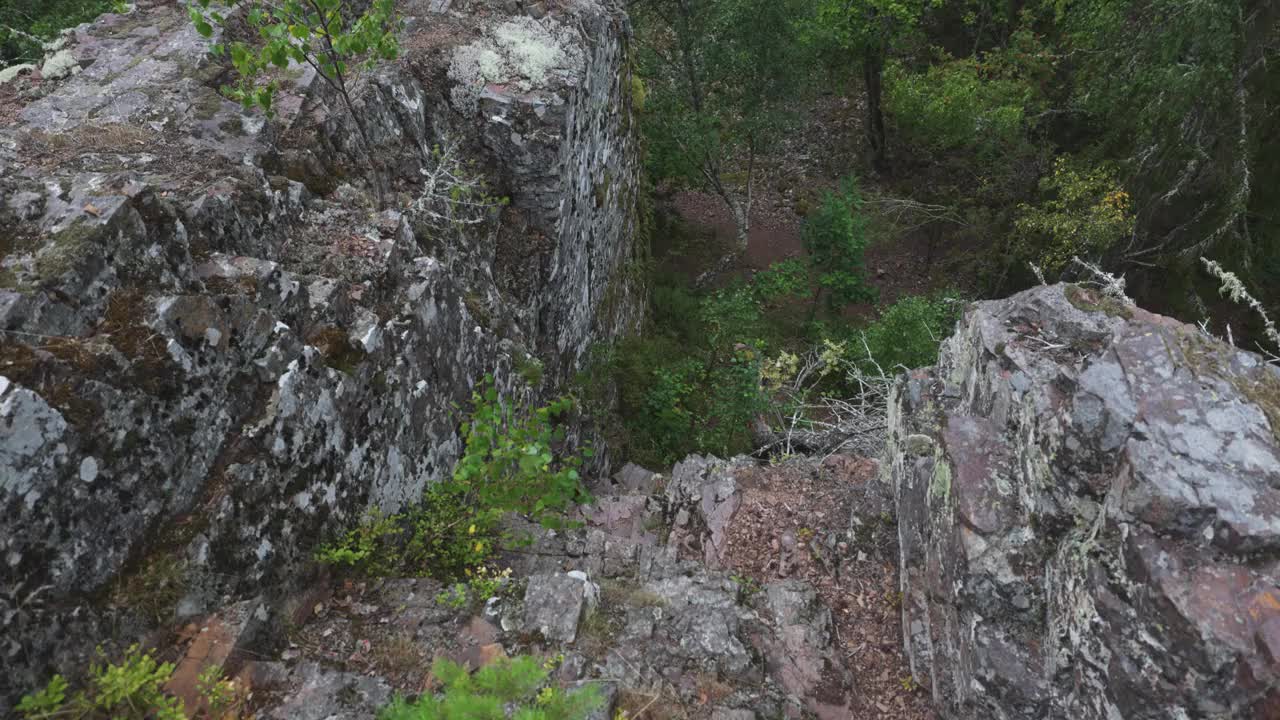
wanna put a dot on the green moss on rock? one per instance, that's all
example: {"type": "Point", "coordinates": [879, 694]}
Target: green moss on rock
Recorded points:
{"type": "Point", "coordinates": [1093, 301]}
{"type": "Point", "coordinates": [337, 349]}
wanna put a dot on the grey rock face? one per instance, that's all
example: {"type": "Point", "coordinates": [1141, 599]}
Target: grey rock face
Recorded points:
{"type": "Point", "coordinates": [215, 353]}
{"type": "Point", "coordinates": [666, 621]}
{"type": "Point", "coordinates": [1089, 516]}
{"type": "Point", "coordinates": [322, 694]}
{"type": "Point", "coordinates": [553, 606]}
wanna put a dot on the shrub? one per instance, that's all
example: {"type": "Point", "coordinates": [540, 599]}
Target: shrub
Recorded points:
{"type": "Point", "coordinates": [1085, 212]}
{"type": "Point", "coordinates": [510, 464]}
{"type": "Point", "coordinates": [25, 25]}
{"type": "Point", "coordinates": [481, 584]}
{"type": "Point", "coordinates": [788, 277]}
{"type": "Point", "coordinates": [515, 688]}
{"type": "Point", "coordinates": [693, 384]}
{"type": "Point", "coordinates": [835, 236]}
{"type": "Point", "coordinates": [956, 105]}
{"type": "Point", "coordinates": [132, 689]}
{"type": "Point", "coordinates": [908, 333]}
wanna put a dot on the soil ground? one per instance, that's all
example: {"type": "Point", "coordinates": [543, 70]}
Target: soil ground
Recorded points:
{"type": "Point", "coordinates": [788, 519]}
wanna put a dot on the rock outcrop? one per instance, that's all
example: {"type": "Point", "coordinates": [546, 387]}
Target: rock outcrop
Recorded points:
{"type": "Point", "coordinates": [610, 604]}
{"type": "Point", "coordinates": [216, 347]}
{"type": "Point", "coordinates": [1089, 516]}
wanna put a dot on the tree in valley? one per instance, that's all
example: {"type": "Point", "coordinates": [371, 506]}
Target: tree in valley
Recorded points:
{"type": "Point", "coordinates": [724, 77]}
{"type": "Point", "coordinates": [862, 34]}
{"type": "Point", "coordinates": [835, 237]}
{"type": "Point", "coordinates": [1184, 92]}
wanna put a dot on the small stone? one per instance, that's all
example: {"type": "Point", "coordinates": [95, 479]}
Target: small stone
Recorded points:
{"type": "Point", "coordinates": [537, 11]}
{"type": "Point", "coordinates": [491, 653]}
{"type": "Point", "coordinates": [88, 469]}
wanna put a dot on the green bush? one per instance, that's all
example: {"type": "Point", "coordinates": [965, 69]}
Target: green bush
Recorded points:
{"type": "Point", "coordinates": [693, 383]}
{"type": "Point", "coordinates": [788, 277]}
{"type": "Point", "coordinates": [957, 105]}
{"type": "Point", "coordinates": [1084, 211]}
{"type": "Point", "coordinates": [835, 236]}
{"type": "Point", "coordinates": [512, 463]}
{"type": "Point", "coordinates": [25, 24]}
{"type": "Point", "coordinates": [132, 689]}
{"type": "Point", "coordinates": [515, 689]}
{"type": "Point", "coordinates": [908, 333]}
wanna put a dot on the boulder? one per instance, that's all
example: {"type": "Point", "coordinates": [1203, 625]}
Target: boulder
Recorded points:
{"type": "Point", "coordinates": [553, 606]}
{"type": "Point", "coordinates": [1089, 516]}
{"type": "Point", "coordinates": [220, 349]}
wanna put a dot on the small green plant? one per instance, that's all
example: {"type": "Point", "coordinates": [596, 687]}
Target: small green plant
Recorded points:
{"type": "Point", "coordinates": [909, 684]}
{"type": "Point", "coordinates": [329, 36]}
{"type": "Point", "coordinates": [787, 277]}
{"type": "Point", "coordinates": [45, 703]}
{"type": "Point", "coordinates": [512, 463]}
{"type": "Point", "coordinates": [907, 334]}
{"type": "Point", "coordinates": [317, 33]}
{"type": "Point", "coordinates": [362, 545]}
{"type": "Point", "coordinates": [132, 689]}
{"type": "Point", "coordinates": [454, 596]}
{"type": "Point", "coordinates": [481, 584]}
{"type": "Point", "coordinates": [515, 688]}
{"type": "Point", "coordinates": [835, 236]}
{"type": "Point", "coordinates": [530, 368]}
{"type": "Point", "coordinates": [747, 585]}
{"type": "Point", "coordinates": [220, 694]}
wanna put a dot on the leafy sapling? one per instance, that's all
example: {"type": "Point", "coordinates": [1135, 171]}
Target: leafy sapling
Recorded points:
{"type": "Point", "coordinates": [326, 35]}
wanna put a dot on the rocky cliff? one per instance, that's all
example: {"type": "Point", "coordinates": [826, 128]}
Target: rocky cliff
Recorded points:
{"type": "Point", "coordinates": [217, 345]}
{"type": "Point", "coordinates": [1089, 516]}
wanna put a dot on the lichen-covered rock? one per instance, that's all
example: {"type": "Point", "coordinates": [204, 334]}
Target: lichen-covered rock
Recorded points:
{"type": "Point", "coordinates": [217, 349]}
{"type": "Point", "coordinates": [316, 693]}
{"type": "Point", "coordinates": [553, 606]}
{"type": "Point", "coordinates": [1089, 516]}
{"type": "Point", "coordinates": [644, 625]}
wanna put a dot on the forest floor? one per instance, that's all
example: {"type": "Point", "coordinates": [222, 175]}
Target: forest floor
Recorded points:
{"type": "Point", "coordinates": [792, 181]}
{"type": "Point", "coordinates": [783, 528]}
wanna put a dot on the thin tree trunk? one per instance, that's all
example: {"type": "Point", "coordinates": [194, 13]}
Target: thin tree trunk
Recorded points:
{"type": "Point", "coordinates": [742, 219]}
{"type": "Point", "coordinates": [339, 83]}
{"type": "Point", "coordinates": [743, 213]}
{"type": "Point", "coordinates": [873, 79]}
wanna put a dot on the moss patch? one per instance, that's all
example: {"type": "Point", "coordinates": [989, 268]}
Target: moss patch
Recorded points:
{"type": "Point", "coordinates": [44, 370]}
{"type": "Point", "coordinates": [475, 306]}
{"type": "Point", "coordinates": [154, 588]}
{"type": "Point", "coordinates": [617, 594]}
{"type": "Point", "coordinates": [125, 324]}
{"type": "Point", "coordinates": [64, 250]}
{"type": "Point", "coordinates": [1259, 385]}
{"type": "Point", "coordinates": [337, 349]}
{"type": "Point", "coordinates": [1093, 301]}
{"type": "Point", "coordinates": [940, 485]}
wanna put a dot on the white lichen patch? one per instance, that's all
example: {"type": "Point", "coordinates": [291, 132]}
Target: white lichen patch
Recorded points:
{"type": "Point", "coordinates": [522, 52]}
